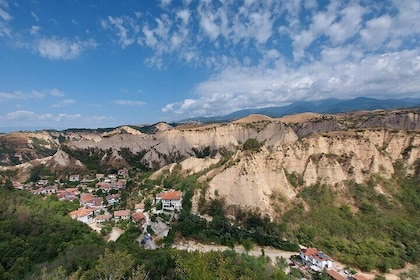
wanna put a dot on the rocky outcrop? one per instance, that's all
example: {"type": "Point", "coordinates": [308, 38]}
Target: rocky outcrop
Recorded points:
{"type": "Point", "coordinates": [172, 145]}
{"type": "Point", "coordinates": [253, 180]}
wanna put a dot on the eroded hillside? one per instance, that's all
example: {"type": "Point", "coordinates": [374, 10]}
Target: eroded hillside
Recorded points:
{"type": "Point", "coordinates": [309, 147]}
{"type": "Point", "coordinates": [274, 176]}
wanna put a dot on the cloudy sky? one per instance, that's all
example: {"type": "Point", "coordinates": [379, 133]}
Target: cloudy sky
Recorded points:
{"type": "Point", "coordinates": [86, 63]}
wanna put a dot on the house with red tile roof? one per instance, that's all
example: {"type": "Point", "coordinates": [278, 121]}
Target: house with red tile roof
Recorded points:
{"type": "Point", "coordinates": [138, 218]}
{"type": "Point", "coordinates": [121, 215]}
{"type": "Point", "coordinates": [171, 200]}
{"type": "Point", "coordinates": [335, 275]}
{"type": "Point", "coordinates": [311, 256]}
{"type": "Point", "coordinates": [66, 194]}
{"type": "Point", "coordinates": [118, 185]}
{"type": "Point", "coordinates": [105, 187]}
{"type": "Point", "coordinates": [123, 172]}
{"type": "Point", "coordinates": [83, 215]}
{"type": "Point", "coordinates": [89, 200]}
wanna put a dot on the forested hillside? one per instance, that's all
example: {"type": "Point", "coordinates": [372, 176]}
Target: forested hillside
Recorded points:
{"type": "Point", "coordinates": [39, 241]}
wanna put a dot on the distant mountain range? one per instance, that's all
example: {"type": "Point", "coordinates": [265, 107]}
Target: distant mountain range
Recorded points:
{"type": "Point", "coordinates": [327, 106]}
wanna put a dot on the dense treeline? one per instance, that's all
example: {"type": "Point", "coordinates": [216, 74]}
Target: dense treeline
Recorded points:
{"type": "Point", "coordinates": [93, 158]}
{"type": "Point", "coordinates": [35, 231]}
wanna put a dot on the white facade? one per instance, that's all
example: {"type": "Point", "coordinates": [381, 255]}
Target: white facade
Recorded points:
{"type": "Point", "coordinates": [312, 256]}
{"type": "Point", "coordinates": [171, 204]}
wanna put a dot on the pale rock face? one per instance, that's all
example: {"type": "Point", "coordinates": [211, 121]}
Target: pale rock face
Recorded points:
{"type": "Point", "coordinates": [176, 143]}
{"type": "Point", "coordinates": [195, 165]}
{"type": "Point", "coordinates": [62, 159]}
{"type": "Point", "coordinates": [189, 166]}
{"type": "Point", "coordinates": [332, 159]}
{"type": "Point", "coordinates": [251, 181]}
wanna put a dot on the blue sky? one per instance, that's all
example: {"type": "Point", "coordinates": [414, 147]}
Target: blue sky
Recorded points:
{"type": "Point", "coordinates": [89, 64]}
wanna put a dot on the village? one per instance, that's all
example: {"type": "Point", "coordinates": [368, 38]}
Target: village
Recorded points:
{"type": "Point", "coordinates": [100, 201]}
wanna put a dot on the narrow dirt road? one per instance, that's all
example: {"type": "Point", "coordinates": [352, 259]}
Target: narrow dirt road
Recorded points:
{"type": "Point", "coordinates": [257, 251]}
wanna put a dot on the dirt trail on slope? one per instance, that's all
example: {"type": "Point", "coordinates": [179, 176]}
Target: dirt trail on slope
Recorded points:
{"type": "Point", "coordinates": [256, 251]}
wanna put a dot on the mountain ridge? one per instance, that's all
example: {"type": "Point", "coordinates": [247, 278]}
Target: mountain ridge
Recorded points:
{"type": "Point", "coordinates": [326, 106]}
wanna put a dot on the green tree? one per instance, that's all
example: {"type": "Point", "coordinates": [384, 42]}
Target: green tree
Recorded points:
{"type": "Point", "coordinates": [114, 265]}
{"type": "Point", "coordinates": [248, 245]}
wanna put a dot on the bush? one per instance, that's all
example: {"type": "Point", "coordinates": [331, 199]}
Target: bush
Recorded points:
{"type": "Point", "coordinates": [252, 144]}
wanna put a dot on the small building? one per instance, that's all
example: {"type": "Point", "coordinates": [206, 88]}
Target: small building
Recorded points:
{"type": "Point", "coordinates": [100, 176]}
{"type": "Point", "coordinates": [83, 215]}
{"type": "Point", "coordinates": [122, 215]}
{"type": "Point", "coordinates": [113, 198]}
{"type": "Point", "coordinates": [42, 182]}
{"type": "Point", "coordinates": [90, 200]}
{"type": "Point", "coordinates": [171, 200]}
{"type": "Point", "coordinates": [45, 190]}
{"type": "Point", "coordinates": [334, 275]}
{"type": "Point", "coordinates": [123, 172]}
{"type": "Point", "coordinates": [138, 218]}
{"type": "Point", "coordinates": [74, 178]}
{"type": "Point", "coordinates": [118, 185]}
{"type": "Point", "coordinates": [311, 256]}
{"type": "Point", "coordinates": [103, 218]}
{"type": "Point", "coordinates": [104, 187]}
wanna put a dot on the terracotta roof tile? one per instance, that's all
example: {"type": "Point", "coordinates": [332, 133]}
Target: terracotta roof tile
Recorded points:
{"type": "Point", "coordinates": [335, 275]}
{"type": "Point", "coordinates": [173, 195]}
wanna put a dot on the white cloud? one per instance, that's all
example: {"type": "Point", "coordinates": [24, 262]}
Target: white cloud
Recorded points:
{"type": "Point", "coordinates": [65, 49]}
{"type": "Point", "coordinates": [35, 29]}
{"type": "Point", "coordinates": [208, 25]}
{"type": "Point", "coordinates": [184, 15]}
{"type": "Point", "coordinates": [19, 95]}
{"type": "Point", "coordinates": [4, 3]}
{"type": "Point", "coordinates": [11, 96]}
{"type": "Point", "coordinates": [29, 119]}
{"type": "Point", "coordinates": [55, 92]}
{"type": "Point", "coordinates": [125, 27]}
{"type": "Point", "coordinates": [5, 15]}
{"type": "Point", "coordinates": [129, 102]}
{"type": "Point", "coordinates": [348, 25]}
{"type": "Point", "coordinates": [20, 115]}
{"type": "Point", "coordinates": [63, 103]}
{"type": "Point", "coordinates": [165, 3]}
{"type": "Point", "coordinates": [5, 19]}
{"type": "Point", "coordinates": [344, 75]}
{"type": "Point", "coordinates": [35, 16]}
{"type": "Point", "coordinates": [376, 32]}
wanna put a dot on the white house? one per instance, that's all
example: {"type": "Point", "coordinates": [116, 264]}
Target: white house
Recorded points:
{"type": "Point", "coordinates": [311, 256]}
{"type": "Point", "coordinates": [74, 178]}
{"type": "Point", "coordinates": [123, 172]}
{"type": "Point", "coordinates": [83, 215]}
{"type": "Point", "coordinates": [122, 215]}
{"type": "Point", "coordinates": [171, 200]}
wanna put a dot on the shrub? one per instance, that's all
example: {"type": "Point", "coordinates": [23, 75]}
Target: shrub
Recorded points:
{"type": "Point", "coordinates": [252, 144]}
